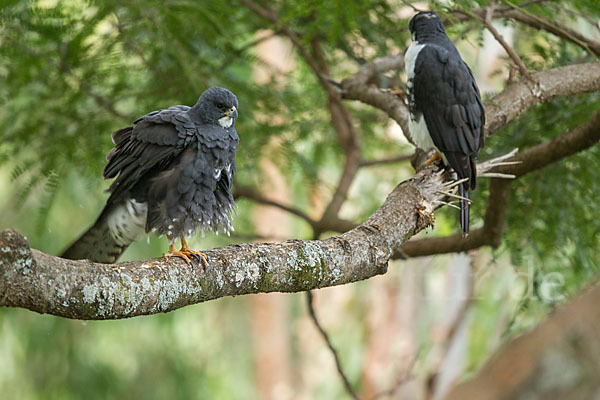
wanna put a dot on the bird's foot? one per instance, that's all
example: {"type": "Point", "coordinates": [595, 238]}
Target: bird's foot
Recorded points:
{"type": "Point", "coordinates": [436, 156]}
{"type": "Point", "coordinates": [173, 252]}
{"type": "Point", "coordinates": [187, 254]}
{"type": "Point", "coordinates": [198, 255]}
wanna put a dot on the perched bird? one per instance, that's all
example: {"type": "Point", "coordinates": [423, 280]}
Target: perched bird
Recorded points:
{"type": "Point", "coordinates": [173, 172]}
{"type": "Point", "coordinates": [445, 106]}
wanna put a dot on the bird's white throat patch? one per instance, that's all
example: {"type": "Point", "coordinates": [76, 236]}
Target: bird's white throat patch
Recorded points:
{"type": "Point", "coordinates": [226, 122]}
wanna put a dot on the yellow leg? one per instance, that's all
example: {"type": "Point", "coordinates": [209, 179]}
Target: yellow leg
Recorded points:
{"type": "Point", "coordinates": [436, 156]}
{"type": "Point", "coordinates": [186, 253]}
{"type": "Point", "coordinates": [173, 252]}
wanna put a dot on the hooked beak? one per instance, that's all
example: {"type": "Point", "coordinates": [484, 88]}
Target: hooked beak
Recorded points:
{"type": "Point", "coordinates": [230, 113]}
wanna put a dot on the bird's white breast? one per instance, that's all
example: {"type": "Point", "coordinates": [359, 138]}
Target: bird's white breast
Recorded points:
{"type": "Point", "coordinates": [127, 221]}
{"type": "Point", "coordinates": [419, 133]}
{"type": "Point", "coordinates": [416, 124]}
{"type": "Point", "coordinates": [410, 59]}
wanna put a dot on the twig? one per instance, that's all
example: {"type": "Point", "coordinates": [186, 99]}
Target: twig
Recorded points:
{"type": "Point", "coordinates": [519, 14]}
{"type": "Point", "coordinates": [555, 28]}
{"type": "Point", "coordinates": [249, 193]}
{"type": "Point", "coordinates": [384, 161]}
{"type": "Point", "coordinates": [487, 21]}
{"type": "Point", "coordinates": [340, 117]}
{"type": "Point", "coordinates": [401, 380]}
{"type": "Point", "coordinates": [334, 224]}
{"type": "Point", "coordinates": [347, 137]}
{"type": "Point", "coordinates": [338, 364]}
{"type": "Point", "coordinates": [87, 88]}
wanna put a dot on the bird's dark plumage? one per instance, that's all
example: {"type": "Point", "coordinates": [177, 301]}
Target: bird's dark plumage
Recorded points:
{"type": "Point", "coordinates": [444, 101]}
{"type": "Point", "coordinates": [173, 172]}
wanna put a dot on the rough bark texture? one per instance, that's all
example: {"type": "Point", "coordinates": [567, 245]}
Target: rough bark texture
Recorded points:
{"type": "Point", "coordinates": [542, 86]}
{"type": "Point", "coordinates": [559, 359]}
{"type": "Point", "coordinates": [86, 290]}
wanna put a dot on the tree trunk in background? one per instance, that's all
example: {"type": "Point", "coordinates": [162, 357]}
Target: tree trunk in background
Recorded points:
{"type": "Point", "coordinates": [270, 312]}
{"type": "Point", "coordinates": [559, 359]}
{"type": "Point", "coordinates": [395, 301]}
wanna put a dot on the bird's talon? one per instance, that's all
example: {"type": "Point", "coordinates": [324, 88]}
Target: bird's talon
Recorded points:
{"type": "Point", "coordinates": [436, 156]}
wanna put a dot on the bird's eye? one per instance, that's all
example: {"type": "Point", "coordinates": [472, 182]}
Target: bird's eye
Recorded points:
{"type": "Point", "coordinates": [221, 106]}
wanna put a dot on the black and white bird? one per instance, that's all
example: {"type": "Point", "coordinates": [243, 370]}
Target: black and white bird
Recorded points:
{"type": "Point", "coordinates": [446, 112]}
{"type": "Point", "coordinates": [173, 173]}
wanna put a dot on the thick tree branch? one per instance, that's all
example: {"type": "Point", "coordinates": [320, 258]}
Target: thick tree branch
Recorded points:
{"type": "Point", "coordinates": [359, 87]}
{"type": "Point", "coordinates": [520, 96]}
{"type": "Point", "coordinates": [86, 290]}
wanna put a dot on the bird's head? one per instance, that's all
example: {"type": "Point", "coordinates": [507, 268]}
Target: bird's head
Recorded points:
{"type": "Point", "coordinates": [217, 106]}
{"type": "Point", "coordinates": [425, 24]}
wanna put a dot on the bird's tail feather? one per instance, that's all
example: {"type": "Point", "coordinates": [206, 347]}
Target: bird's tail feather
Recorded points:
{"type": "Point", "coordinates": [463, 191]}
{"type": "Point", "coordinates": [96, 244]}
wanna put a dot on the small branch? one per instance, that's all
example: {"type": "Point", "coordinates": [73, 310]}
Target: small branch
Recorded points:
{"type": "Point", "coordinates": [347, 136]}
{"type": "Point", "coordinates": [334, 224]}
{"type": "Point", "coordinates": [385, 161]}
{"type": "Point", "coordinates": [251, 194]}
{"type": "Point", "coordinates": [540, 23]}
{"type": "Point", "coordinates": [336, 357]}
{"type": "Point", "coordinates": [517, 13]}
{"type": "Point", "coordinates": [266, 12]}
{"type": "Point", "coordinates": [567, 144]}
{"type": "Point", "coordinates": [340, 117]}
{"type": "Point", "coordinates": [487, 21]}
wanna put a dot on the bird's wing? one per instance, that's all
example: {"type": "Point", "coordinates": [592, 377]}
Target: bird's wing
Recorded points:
{"type": "Point", "coordinates": [150, 145]}
{"type": "Point", "coordinates": [198, 184]}
{"type": "Point", "coordinates": [447, 95]}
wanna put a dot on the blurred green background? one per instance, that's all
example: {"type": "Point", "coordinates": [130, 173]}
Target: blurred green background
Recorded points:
{"type": "Point", "coordinates": [73, 71]}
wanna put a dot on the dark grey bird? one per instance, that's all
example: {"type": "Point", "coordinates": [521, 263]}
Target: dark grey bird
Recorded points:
{"type": "Point", "coordinates": [173, 173]}
{"type": "Point", "coordinates": [446, 111]}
